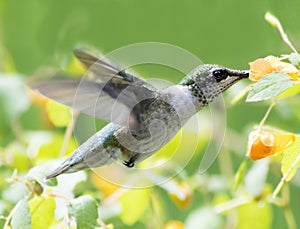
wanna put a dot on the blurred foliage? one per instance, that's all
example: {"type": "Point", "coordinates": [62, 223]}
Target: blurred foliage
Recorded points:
{"type": "Point", "coordinates": [35, 35]}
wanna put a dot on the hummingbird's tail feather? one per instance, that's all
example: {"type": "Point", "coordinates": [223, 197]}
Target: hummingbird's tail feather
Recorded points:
{"type": "Point", "coordinates": [81, 160]}
{"type": "Point", "coordinates": [98, 150]}
{"type": "Point", "coordinates": [61, 169]}
{"type": "Point", "coordinates": [70, 165]}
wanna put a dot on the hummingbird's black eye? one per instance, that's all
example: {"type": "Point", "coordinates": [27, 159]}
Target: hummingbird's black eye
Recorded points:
{"type": "Point", "coordinates": [220, 74]}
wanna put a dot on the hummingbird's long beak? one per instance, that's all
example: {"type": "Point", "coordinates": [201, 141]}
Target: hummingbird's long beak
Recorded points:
{"type": "Point", "coordinates": [239, 73]}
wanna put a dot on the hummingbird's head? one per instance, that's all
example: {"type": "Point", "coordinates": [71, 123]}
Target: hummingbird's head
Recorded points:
{"type": "Point", "coordinates": [208, 81]}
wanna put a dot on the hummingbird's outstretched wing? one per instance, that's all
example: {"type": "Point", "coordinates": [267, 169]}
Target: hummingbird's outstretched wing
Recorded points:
{"type": "Point", "coordinates": [106, 91]}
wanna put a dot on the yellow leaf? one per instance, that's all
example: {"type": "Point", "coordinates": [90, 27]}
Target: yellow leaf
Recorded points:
{"type": "Point", "coordinates": [256, 215]}
{"type": "Point", "coordinates": [59, 114]}
{"type": "Point", "coordinates": [134, 203]}
{"type": "Point", "coordinates": [174, 224]}
{"type": "Point", "coordinates": [289, 165]}
{"type": "Point", "coordinates": [75, 67]}
{"type": "Point", "coordinates": [106, 187]}
{"type": "Point", "coordinates": [42, 211]}
{"type": "Point", "coordinates": [290, 92]}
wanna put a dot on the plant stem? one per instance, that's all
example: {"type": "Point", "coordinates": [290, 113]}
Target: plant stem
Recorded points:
{"type": "Point", "coordinates": [283, 179]}
{"type": "Point", "coordinates": [290, 219]}
{"type": "Point", "coordinates": [101, 223]}
{"type": "Point", "coordinates": [262, 122]}
{"type": "Point", "coordinates": [232, 204]}
{"type": "Point", "coordinates": [276, 23]}
{"type": "Point", "coordinates": [12, 213]}
{"type": "Point", "coordinates": [68, 134]}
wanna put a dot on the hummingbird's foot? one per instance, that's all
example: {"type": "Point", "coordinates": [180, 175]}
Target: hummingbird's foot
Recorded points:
{"type": "Point", "coordinates": [129, 163]}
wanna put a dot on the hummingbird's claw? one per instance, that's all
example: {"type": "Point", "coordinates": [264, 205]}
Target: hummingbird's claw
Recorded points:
{"type": "Point", "coordinates": [129, 163]}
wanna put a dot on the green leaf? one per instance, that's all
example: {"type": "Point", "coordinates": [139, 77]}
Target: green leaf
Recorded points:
{"type": "Point", "coordinates": [58, 114]}
{"type": "Point", "coordinates": [13, 97]}
{"type": "Point", "coordinates": [255, 179]}
{"type": "Point", "coordinates": [84, 210]}
{"type": "Point", "coordinates": [42, 211]}
{"type": "Point", "coordinates": [240, 174]}
{"type": "Point", "coordinates": [269, 86]}
{"type": "Point", "coordinates": [134, 203]}
{"type": "Point", "coordinates": [256, 215]}
{"type": "Point", "coordinates": [289, 160]}
{"type": "Point", "coordinates": [38, 173]}
{"type": "Point", "coordinates": [66, 183]}
{"type": "Point", "coordinates": [294, 58]}
{"type": "Point", "coordinates": [204, 218]}
{"type": "Point", "coordinates": [51, 182]}
{"type": "Point", "coordinates": [21, 217]}
{"type": "Point", "coordinates": [14, 192]}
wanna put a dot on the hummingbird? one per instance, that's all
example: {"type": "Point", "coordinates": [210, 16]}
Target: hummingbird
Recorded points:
{"type": "Point", "coordinates": [142, 119]}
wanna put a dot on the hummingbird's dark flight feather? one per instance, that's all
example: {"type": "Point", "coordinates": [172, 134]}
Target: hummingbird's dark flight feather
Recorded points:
{"type": "Point", "coordinates": [104, 70]}
{"type": "Point", "coordinates": [105, 92]}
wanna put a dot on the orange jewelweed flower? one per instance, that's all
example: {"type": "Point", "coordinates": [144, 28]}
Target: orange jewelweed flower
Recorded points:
{"type": "Point", "coordinates": [263, 66]}
{"type": "Point", "coordinates": [262, 143]}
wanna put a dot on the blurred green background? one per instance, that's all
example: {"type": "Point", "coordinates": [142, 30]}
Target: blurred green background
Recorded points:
{"type": "Point", "coordinates": [225, 32]}
{"type": "Point", "coordinates": [232, 33]}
